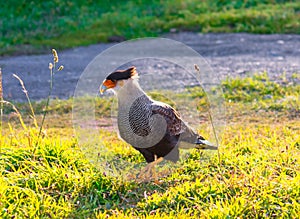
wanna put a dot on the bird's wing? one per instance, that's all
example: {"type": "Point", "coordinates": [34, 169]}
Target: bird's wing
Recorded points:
{"type": "Point", "coordinates": [175, 125]}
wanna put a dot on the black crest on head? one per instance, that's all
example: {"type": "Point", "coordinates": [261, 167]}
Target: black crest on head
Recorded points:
{"type": "Point", "coordinates": [122, 74]}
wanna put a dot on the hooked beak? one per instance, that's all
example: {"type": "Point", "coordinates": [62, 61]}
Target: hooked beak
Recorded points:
{"type": "Point", "coordinates": [102, 89]}
{"type": "Point", "coordinates": [107, 84]}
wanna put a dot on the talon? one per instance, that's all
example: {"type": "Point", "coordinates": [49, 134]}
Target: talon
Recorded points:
{"type": "Point", "coordinates": [149, 171]}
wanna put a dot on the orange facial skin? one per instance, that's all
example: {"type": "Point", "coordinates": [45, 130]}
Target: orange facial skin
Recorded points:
{"type": "Point", "coordinates": [107, 84]}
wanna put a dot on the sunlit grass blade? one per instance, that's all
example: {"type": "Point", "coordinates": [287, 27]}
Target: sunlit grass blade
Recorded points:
{"type": "Point", "coordinates": [28, 99]}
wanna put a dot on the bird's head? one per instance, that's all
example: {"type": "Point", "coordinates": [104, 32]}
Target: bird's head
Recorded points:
{"type": "Point", "coordinates": [118, 79]}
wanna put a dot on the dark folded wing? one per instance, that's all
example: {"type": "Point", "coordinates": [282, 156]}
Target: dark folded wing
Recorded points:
{"type": "Point", "coordinates": [175, 125]}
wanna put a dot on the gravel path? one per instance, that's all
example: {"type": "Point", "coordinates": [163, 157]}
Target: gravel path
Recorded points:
{"type": "Point", "coordinates": [228, 54]}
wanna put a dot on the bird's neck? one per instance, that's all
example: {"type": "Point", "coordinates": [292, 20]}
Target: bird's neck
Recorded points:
{"type": "Point", "coordinates": [130, 91]}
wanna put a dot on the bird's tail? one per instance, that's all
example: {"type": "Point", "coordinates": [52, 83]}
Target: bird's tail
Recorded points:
{"type": "Point", "coordinates": [201, 143]}
{"type": "Point", "coordinates": [191, 139]}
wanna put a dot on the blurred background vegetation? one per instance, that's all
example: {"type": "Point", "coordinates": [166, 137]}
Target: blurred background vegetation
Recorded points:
{"type": "Point", "coordinates": [31, 25]}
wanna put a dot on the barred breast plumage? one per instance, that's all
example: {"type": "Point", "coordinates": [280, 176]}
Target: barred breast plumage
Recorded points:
{"type": "Point", "coordinates": [139, 116]}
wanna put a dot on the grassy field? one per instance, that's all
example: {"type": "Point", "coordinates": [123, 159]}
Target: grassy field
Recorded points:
{"type": "Point", "coordinates": [32, 26]}
{"type": "Point", "coordinates": [256, 176]}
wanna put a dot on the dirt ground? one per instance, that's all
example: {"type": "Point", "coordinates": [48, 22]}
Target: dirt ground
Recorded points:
{"type": "Point", "coordinates": [228, 55]}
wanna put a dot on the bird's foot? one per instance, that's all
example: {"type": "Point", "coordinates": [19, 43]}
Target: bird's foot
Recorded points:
{"type": "Point", "coordinates": [149, 172]}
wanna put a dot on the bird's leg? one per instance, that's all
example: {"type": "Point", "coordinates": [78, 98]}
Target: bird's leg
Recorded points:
{"type": "Point", "coordinates": [150, 168]}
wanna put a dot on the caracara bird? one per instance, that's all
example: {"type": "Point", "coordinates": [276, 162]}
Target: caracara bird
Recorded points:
{"type": "Point", "coordinates": [153, 128]}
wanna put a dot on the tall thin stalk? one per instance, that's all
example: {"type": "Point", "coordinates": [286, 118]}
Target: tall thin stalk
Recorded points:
{"type": "Point", "coordinates": [210, 118]}
{"type": "Point", "coordinates": [53, 70]}
{"type": "Point", "coordinates": [2, 102]}
{"type": "Point", "coordinates": [214, 131]}
{"type": "Point", "coordinates": [47, 103]}
{"type": "Point", "coordinates": [28, 99]}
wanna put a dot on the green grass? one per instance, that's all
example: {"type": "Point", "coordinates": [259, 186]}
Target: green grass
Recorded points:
{"type": "Point", "coordinates": [29, 27]}
{"type": "Point", "coordinates": [258, 176]}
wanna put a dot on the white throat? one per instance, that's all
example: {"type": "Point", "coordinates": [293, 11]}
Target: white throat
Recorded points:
{"type": "Point", "coordinates": [129, 91]}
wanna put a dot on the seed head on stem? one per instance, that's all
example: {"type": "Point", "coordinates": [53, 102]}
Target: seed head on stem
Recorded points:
{"type": "Point", "coordinates": [55, 56]}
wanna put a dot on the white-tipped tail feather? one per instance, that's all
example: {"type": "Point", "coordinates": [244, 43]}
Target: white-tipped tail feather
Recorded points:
{"type": "Point", "coordinates": [204, 144]}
